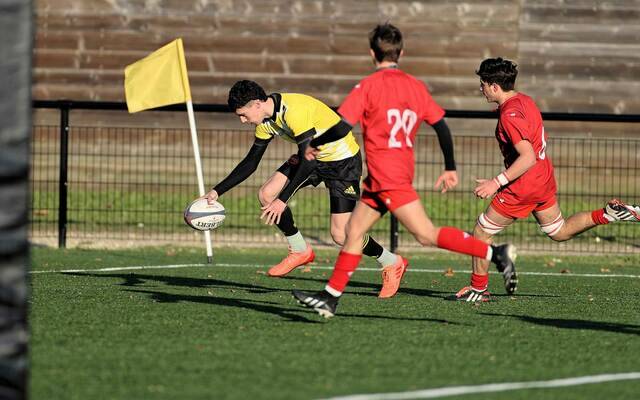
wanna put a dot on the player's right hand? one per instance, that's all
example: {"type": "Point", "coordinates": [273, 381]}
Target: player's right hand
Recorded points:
{"type": "Point", "coordinates": [311, 153]}
{"type": "Point", "coordinates": [211, 196]}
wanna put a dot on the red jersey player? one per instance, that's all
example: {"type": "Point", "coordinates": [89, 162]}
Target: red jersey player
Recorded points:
{"type": "Point", "coordinates": [527, 185]}
{"type": "Point", "coordinates": [389, 104]}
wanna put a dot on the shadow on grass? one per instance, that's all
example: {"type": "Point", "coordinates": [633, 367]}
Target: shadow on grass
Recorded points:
{"type": "Point", "coordinates": [374, 288]}
{"type": "Point", "coordinates": [133, 279]}
{"type": "Point", "coordinates": [575, 324]}
{"type": "Point", "coordinates": [269, 307]}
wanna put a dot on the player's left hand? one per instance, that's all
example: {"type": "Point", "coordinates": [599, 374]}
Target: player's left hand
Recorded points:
{"type": "Point", "coordinates": [486, 188]}
{"type": "Point", "coordinates": [272, 212]}
{"type": "Point", "coordinates": [448, 180]}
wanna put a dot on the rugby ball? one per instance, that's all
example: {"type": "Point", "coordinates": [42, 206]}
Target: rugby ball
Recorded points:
{"type": "Point", "coordinates": [203, 216]}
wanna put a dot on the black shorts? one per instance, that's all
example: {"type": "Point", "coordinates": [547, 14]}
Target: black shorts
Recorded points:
{"type": "Point", "coordinates": [342, 178]}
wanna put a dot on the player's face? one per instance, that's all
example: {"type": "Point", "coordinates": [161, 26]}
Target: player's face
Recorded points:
{"type": "Point", "coordinates": [489, 91]}
{"type": "Point", "coordinates": [251, 113]}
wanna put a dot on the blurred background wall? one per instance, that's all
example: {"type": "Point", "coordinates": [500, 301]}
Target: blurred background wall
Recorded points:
{"type": "Point", "coordinates": [574, 56]}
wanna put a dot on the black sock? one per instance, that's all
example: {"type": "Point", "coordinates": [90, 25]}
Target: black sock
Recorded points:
{"type": "Point", "coordinates": [286, 224]}
{"type": "Point", "coordinates": [370, 247]}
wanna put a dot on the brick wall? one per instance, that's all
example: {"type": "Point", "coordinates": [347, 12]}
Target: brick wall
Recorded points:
{"type": "Point", "coordinates": [581, 56]}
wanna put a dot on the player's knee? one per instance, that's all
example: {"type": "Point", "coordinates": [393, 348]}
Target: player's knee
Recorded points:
{"type": "Point", "coordinates": [485, 226]}
{"type": "Point", "coordinates": [338, 236]}
{"type": "Point", "coordinates": [554, 230]}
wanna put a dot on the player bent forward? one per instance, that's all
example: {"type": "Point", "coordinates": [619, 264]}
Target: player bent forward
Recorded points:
{"type": "Point", "coordinates": [527, 185]}
{"type": "Point", "coordinates": [388, 104]}
{"type": "Point", "coordinates": [299, 118]}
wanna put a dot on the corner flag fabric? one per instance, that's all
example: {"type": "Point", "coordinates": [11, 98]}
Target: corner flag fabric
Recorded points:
{"type": "Point", "coordinates": [158, 80]}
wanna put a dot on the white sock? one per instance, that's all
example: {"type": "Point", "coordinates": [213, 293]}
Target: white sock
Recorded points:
{"type": "Point", "coordinates": [332, 291]}
{"type": "Point", "coordinates": [489, 255]}
{"type": "Point", "coordinates": [297, 243]}
{"type": "Point", "coordinates": [387, 258]}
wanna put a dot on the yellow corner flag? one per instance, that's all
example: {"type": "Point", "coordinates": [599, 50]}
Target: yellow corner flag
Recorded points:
{"type": "Point", "coordinates": [158, 80]}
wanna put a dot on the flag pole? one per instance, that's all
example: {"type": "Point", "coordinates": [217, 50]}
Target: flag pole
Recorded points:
{"type": "Point", "coordinates": [196, 154]}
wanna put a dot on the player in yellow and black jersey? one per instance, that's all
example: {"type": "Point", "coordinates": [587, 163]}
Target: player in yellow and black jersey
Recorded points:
{"type": "Point", "coordinates": [302, 120]}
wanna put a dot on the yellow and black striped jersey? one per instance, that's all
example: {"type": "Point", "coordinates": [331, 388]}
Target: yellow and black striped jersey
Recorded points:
{"type": "Point", "coordinates": [296, 117]}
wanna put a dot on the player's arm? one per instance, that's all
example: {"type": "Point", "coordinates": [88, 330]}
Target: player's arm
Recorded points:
{"type": "Point", "coordinates": [526, 159]}
{"type": "Point", "coordinates": [449, 178]}
{"type": "Point", "coordinates": [242, 171]}
{"type": "Point", "coordinates": [446, 144]}
{"type": "Point", "coordinates": [304, 170]}
{"type": "Point", "coordinates": [271, 212]}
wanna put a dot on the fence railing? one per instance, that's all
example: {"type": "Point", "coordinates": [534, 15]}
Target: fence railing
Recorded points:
{"type": "Point", "coordinates": [115, 185]}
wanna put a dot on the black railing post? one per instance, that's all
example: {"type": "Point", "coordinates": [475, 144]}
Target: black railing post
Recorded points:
{"type": "Point", "coordinates": [393, 239]}
{"type": "Point", "coordinates": [62, 195]}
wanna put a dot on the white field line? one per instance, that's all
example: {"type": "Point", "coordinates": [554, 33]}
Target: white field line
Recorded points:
{"type": "Point", "coordinates": [491, 387]}
{"type": "Point", "coordinates": [411, 269]}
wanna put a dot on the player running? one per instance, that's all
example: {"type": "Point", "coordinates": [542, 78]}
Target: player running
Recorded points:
{"type": "Point", "coordinates": [299, 118]}
{"type": "Point", "coordinates": [389, 104]}
{"type": "Point", "coordinates": [527, 185]}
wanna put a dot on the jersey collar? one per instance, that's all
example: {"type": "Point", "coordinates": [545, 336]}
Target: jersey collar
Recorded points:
{"type": "Point", "coordinates": [277, 101]}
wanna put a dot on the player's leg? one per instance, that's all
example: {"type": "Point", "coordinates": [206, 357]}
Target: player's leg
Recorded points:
{"type": "Point", "coordinates": [415, 219]}
{"type": "Point", "coordinates": [489, 223]}
{"type": "Point", "coordinates": [326, 301]}
{"type": "Point", "coordinates": [393, 266]}
{"type": "Point", "coordinates": [300, 252]}
{"type": "Point", "coordinates": [557, 228]}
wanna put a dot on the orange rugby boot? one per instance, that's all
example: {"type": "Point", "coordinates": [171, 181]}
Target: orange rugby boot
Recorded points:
{"type": "Point", "coordinates": [391, 277]}
{"type": "Point", "coordinates": [292, 261]}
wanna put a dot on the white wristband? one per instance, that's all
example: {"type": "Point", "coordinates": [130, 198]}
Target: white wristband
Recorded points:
{"type": "Point", "coordinates": [502, 179]}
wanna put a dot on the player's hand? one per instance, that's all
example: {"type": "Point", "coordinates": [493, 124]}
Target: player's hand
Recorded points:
{"type": "Point", "coordinates": [211, 196]}
{"type": "Point", "coordinates": [271, 213]}
{"type": "Point", "coordinates": [448, 180]}
{"type": "Point", "coordinates": [311, 153]}
{"type": "Point", "coordinates": [486, 188]}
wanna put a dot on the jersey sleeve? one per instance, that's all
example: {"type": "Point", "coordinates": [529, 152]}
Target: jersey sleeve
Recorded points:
{"type": "Point", "coordinates": [352, 108]}
{"type": "Point", "coordinates": [515, 125]}
{"type": "Point", "coordinates": [262, 133]}
{"type": "Point", "coordinates": [432, 111]}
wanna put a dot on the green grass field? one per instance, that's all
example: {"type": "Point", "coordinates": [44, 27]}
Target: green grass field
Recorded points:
{"type": "Point", "coordinates": [228, 331]}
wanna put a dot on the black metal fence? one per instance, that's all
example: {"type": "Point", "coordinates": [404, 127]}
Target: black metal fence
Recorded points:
{"type": "Point", "coordinates": [112, 186]}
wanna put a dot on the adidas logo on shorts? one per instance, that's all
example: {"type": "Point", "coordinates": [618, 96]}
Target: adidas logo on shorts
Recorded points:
{"type": "Point", "coordinates": [350, 190]}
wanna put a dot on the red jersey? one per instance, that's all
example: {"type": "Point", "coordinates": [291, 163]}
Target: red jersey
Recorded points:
{"type": "Point", "coordinates": [520, 119]}
{"type": "Point", "coordinates": [389, 104]}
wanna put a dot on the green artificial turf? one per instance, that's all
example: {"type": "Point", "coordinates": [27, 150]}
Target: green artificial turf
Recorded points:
{"type": "Point", "coordinates": [228, 331]}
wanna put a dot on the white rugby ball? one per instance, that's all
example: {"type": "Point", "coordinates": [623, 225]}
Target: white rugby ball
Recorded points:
{"type": "Point", "coordinates": [203, 216]}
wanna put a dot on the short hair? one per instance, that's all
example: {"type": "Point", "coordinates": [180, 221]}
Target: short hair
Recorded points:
{"type": "Point", "coordinates": [500, 71]}
{"type": "Point", "coordinates": [386, 42]}
{"type": "Point", "coordinates": [242, 92]}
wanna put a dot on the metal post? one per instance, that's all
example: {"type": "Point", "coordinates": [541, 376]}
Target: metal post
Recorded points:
{"type": "Point", "coordinates": [64, 153]}
{"type": "Point", "coordinates": [394, 234]}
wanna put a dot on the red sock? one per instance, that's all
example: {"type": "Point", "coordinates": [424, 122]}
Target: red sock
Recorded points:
{"type": "Point", "coordinates": [461, 242]}
{"type": "Point", "coordinates": [598, 217]}
{"type": "Point", "coordinates": [479, 282]}
{"type": "Point", "coordinates": [346, 263]}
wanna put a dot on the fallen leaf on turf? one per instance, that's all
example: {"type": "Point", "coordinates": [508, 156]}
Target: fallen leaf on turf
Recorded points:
{"type": "Point", "coordinates": [550, 263]}
{"type": "Point", "coordinates": [210, 293]}
{"type": "Point", "coordinates": [307, 269]}
{"type": "Point", "coordinates": [261, 272]}
{"type": "Point", "coordinates": [605, 270]}
{"type": "Point", "coordinates": [565, 271]}
{"type": "Point", "coordinates": [449, 272]}
{"type": "Point", "coordinates": [171, 252]}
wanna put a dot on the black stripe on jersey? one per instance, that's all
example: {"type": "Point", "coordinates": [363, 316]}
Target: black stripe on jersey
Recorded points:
{"type": "Point", "coordinates": [304, 136]}
{"type": "Point", "coordinates": [336, 132]}
{"type": "Point", "coordinates": [262, 142]}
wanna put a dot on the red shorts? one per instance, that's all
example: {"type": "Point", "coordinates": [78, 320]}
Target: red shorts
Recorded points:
{"type": "Point", "coordinates": [515, 211]}
{"type": "Point", "coordinates": [389, 199]}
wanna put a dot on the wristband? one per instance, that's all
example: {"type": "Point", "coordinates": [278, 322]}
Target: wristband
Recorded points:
{"type": "Point", "coordinates": [501, 180]}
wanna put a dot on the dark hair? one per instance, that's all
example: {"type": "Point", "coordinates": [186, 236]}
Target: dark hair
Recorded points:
{"type": "Point", "coordinates": [386, 42]}
{"type": "Point", "coordinates": [242, 92]}
{"type": "Point", "coordinates": [499, 71]}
